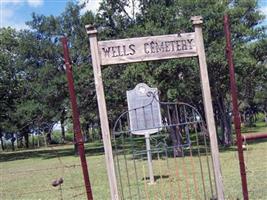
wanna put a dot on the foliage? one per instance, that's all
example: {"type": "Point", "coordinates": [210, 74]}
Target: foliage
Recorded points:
{"type": "Point", "coordinates": [179, 78]}
{"type": "Point", "coordinates": [34, 93]}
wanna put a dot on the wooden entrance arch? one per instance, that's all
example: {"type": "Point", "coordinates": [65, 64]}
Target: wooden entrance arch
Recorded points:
{"type": "Point", "coordinates": [147, 49]}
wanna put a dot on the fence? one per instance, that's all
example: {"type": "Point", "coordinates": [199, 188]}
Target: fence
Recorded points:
{"type": "Point", "coordinates": [176, 164]}
{"type": "Point", "coordinates": [28, 174]}
{"type": "Point", "coordinates": [256, 165]}
{"type": "Point", "coordinates": [31, 174]}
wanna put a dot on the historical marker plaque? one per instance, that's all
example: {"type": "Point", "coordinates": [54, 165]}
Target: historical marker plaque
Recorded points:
{"type": "Point", "coordinates": [144, 110]}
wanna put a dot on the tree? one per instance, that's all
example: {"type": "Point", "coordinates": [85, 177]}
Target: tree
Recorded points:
{"type": "Point", "coordinates": [179, 78]}
{"type": "Point", "coordinates": [10, 84]}
{"type": "Point", "coordinates": [254, 92]}
{"type": "Point", "coordinates": [71, 24]}
{"type": "Point", "coordinates": [33, 82]}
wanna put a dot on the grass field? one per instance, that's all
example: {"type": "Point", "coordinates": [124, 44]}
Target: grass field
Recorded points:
{"type": "Point", "coordinates": [28, 174]}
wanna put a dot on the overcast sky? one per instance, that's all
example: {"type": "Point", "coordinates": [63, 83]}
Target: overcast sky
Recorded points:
{"type": "Point", "coordinates": [15, 13]}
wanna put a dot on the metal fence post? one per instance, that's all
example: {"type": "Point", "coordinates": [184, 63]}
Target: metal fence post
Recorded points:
{"type": "Point", "coordinates": [235, 107]}
{"type": "Point", "coordinates": [76, 120]}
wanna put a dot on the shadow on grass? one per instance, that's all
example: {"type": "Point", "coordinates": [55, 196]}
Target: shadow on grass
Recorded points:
{"type": "Point", "coordinates": [50, 152]}
{"type": "Point", "coordinates": [256, 141]}
{"type": "Point", "coordinates": [157, 177]}
{"type": "Point", "coordinates": [93, 149]}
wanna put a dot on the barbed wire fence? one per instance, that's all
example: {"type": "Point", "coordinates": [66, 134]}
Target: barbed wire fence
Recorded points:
{"type": "Point", "coordinates": [256, 168]}
{"type": "Point", "coordinates": [35, 171]}
{"type": "Point", "coordinates": [256, 165]}
{"type": "Point", "coordinates": [26, 180]}
{"type": "Point", "coordinates": [42, 174]}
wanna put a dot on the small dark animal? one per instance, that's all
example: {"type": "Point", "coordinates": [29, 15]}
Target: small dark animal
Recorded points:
{"type": "Point", "coordinates": [57, 182]}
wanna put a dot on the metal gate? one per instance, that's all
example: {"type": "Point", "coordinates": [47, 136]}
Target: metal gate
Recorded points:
{"type": "Point", "coordinates": [178, 156]}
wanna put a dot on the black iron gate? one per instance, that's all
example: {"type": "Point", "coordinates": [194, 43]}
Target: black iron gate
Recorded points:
{"type": "Point", "coordinates": [179, 151]}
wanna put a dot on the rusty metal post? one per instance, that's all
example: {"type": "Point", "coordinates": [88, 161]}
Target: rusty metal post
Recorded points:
{"type": "Point", "coordinates": [237, 121]}
{"type": "Point", "coordinates": [76, 121]}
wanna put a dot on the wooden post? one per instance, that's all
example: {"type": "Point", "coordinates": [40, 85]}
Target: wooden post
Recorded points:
{"type": "Point", "coordinates": [197, 22]}
{"type": "Point", "coordinates": [92, 33]}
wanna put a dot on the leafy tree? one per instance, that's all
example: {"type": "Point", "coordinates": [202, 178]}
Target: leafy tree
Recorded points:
{"type": "Point", "coordinates": [253, 93]}
{"type": "Point", "coordinates": [179, 78]}
{"type": "Point", "coordinates": [71, 24]}
{"type": "Point", "coordinates": [10, 84]}
{"type": "Point", "coordinates": [33, 86]}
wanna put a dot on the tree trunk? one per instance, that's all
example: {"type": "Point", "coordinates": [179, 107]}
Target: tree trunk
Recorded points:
{"type": "Point", "coordinates": [45, 139]}
{"type": "Point", "coordinates": [38, 141]}
{"type": "Point", "coordinates": [12, 145]}
{"type": "Point", "coordinates": [26, 137]}
{"type": "Point", "coordinates": [217, 122]}
{"type": "Point", "coordinates": [20, 141]}
{"type": "Point", "coordinates": [12, 142]}
{"type": "Point", "coordinates": [99, 133]}
{"type": "Point", "coordinates": [86, 134]}
{"type": "Point", "coordinates": [62, 120]}
{"type": "Point", "coordinates": [2, 142]}
{"type": "Point", "coordinates": [176, 137]}
{"type": "Point", "coordinates": [33, 141]}
{"type": "Point", "coordinates": [62, 130]}
{"type": "Point", "coordinates": [175, 134]}
{"type": "Point", "coordinates": [48, 137]}
{"type": "Point", "coordinates": [225, 122]}
{"type": "Point", "coordinates": [90, 133]}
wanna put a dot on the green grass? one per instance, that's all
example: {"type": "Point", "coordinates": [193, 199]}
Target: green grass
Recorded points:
{"type": "Point", "coordinates": [256, 165]}
{"type": "Point", "coordinates": [28, 174]}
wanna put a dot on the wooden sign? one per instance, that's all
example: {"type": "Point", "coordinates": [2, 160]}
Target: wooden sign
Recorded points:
{"type": "Point", "coordinates": [147, 48]}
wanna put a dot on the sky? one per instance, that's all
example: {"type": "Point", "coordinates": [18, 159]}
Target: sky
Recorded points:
{"type": "Point", "coordinates": [15, 13]}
